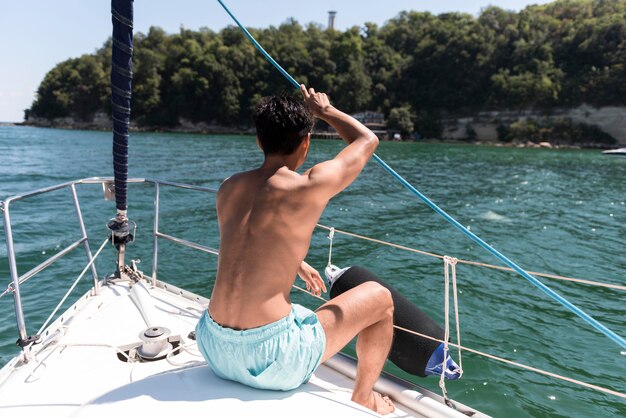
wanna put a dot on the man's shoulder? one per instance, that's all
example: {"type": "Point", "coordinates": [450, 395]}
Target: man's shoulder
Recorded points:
{"type": "Point", "coordinates": [235, 178]}
{"type": "Point", "coordinates": [282, 180]}
{"type": "Point", "coordinates": [287, 180]}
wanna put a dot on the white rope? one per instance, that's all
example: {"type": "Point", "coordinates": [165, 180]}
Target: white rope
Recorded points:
{"type": "Point", "coordinates": [453, 262]}
{"type": "Point", "coordinates": [100, 345]}
{"type": "Point", "coordinates": [180, 349]}
{"type": "Point", "coordinates": [331, 235]}
{"type": "Point", "coordinates": [45, 324]}
{"type": "Point", "coordinates": [449, 264]}
{"type": "Point", "coordinates": [446, 337]}
{"type": "Point", "coordinates": [52, 348]}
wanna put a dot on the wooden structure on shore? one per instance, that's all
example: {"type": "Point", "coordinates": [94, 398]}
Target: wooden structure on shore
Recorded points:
{"type": "Point", "coordinates": [373, 120]}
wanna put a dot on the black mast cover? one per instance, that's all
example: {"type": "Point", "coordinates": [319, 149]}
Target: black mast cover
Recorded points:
{"type": "Point", "coordinates": [121, 88]}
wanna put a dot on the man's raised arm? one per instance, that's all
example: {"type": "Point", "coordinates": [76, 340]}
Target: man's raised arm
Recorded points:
{"type": "Point", "coordinates": [331, 177]}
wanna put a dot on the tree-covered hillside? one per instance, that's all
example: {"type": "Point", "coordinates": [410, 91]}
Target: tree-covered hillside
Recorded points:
{"type": "Point", "coordinates": [562, 54]}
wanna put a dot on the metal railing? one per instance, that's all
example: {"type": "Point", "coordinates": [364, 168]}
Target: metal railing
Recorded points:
{"type": "Point", "coordinates": [24, 340]}
{"type": "Point", "coordinates": [157, 234]}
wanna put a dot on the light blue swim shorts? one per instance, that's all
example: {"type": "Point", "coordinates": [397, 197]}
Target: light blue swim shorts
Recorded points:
{"type": "Point", "coordinates": [277, 356]}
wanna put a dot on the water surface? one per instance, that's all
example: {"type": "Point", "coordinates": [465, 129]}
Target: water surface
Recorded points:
{"type": "Point", "coordinates": [556, 211]}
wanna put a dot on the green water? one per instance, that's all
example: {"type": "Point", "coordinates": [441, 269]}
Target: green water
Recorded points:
{"type": "Point", "coordinates": [556, 211]}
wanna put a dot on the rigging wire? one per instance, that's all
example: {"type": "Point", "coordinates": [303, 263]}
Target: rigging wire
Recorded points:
{"type": "Point", "coordinates": [469, 262]}
{"type": "Point", "coordinates": [80, 276]}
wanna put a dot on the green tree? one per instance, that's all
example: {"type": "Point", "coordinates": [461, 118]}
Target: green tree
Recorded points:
{"type": "Point", "coordinates": [352, 88]}
{"type": "Point", "coordinates": [76, 87]}
{"type": "Point", "coordinates": [401, 118]}
{"type": "Point", "coordinates": [563, 53]}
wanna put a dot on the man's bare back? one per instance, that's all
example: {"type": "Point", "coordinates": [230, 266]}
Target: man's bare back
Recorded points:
{"type": "Point", "coordinates": [266, 219]}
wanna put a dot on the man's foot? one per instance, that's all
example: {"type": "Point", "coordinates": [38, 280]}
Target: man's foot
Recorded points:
{"type": "Point", "coordinates": [378, 403]}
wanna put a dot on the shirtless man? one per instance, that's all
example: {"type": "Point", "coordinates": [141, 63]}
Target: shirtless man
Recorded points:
{"type": "Point", "coordinates": [252, 333]}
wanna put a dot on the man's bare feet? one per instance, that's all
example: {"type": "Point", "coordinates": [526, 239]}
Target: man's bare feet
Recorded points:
{"type": "Point", "coordinates": [378, 403]}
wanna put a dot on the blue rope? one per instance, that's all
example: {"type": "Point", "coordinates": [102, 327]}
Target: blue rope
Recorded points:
{"type": "Point", "coordinates": [583, 315]}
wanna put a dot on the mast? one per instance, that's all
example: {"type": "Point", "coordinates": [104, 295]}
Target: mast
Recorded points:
{"type": "Point", "coordinates": [121, 229]}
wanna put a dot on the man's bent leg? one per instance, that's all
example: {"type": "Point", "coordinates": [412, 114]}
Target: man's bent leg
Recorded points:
{"type": "Point", "coordinates": [366, 311]}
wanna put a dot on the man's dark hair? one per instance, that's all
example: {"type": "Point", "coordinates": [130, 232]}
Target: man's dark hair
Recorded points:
{"type": "Point", "coordinates": [282, 122]}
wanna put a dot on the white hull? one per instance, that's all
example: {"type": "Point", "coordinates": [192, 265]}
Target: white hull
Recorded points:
{"type": "Point", "coordinates": [619, 151]}
{"type": "Point", "coordinates": [75, 371]}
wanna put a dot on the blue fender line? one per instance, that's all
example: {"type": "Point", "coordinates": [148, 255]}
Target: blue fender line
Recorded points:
{"type": "Point", "coordinates": [573, 308]}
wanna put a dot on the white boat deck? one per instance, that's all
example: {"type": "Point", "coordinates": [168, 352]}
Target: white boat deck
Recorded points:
{"type": "Point", "coordinates": [76, 369]}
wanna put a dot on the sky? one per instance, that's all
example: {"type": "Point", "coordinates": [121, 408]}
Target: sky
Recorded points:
{"type": "Point", "coordinates": [35, 35]}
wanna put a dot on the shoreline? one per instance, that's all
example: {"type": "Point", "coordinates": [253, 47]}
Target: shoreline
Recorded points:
{"type": "Point", "coordinates": [223, 130]}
